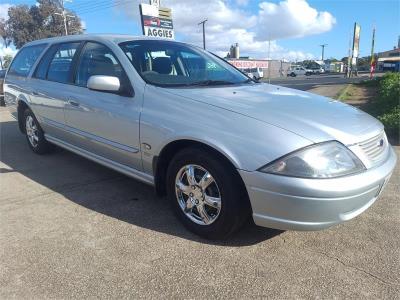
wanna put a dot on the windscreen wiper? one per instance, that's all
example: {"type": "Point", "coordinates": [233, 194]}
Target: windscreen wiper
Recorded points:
{"type": "Point", "coordinates": [211, 82]}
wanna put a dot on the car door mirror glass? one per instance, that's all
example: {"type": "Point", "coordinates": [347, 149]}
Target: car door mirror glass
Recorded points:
{"type": "Point", "coordinates": [104, 83]}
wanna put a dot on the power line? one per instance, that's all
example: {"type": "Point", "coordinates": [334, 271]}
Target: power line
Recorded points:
{"type": "Point", "coordinates": [102, 7]}
{"type": "Point", "coordinates": [98, 5]}
{"type": "Point", "coordinates": [89, 4]}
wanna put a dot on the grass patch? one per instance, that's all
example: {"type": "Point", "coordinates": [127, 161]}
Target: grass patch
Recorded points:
{"type": "Point", "coordinates": [345, 94]}
{"type": "Point", "coordinates": [370, 82]}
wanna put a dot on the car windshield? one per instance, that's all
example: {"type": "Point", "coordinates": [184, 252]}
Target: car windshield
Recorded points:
{"type": "Point", "coordinates": [170, 64]}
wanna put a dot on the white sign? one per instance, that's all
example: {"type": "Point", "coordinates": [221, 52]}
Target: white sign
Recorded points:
{"type": "Point", "coordinates": [149, 10]}
{"type": "Point", "coordinates": [155, 25]}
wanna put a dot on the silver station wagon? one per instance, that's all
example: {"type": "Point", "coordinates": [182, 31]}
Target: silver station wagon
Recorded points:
{"type": "Point", "coordinates": [221, 146]}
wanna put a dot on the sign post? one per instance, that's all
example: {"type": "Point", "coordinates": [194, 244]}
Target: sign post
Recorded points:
{"type": "Point", "coordinates": [373, 63]}
{"type": "Point", "coordinates": [356, 46]}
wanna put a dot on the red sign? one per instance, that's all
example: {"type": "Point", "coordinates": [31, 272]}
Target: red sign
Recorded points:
{"type": "Point", "coordinates": [248, 64]}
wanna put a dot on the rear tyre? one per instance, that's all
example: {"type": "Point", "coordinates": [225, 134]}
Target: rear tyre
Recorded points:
{"type": "Point", "coordinates": [206, 194]}
{"type": "Point", "coordinates": [35, 135]}
{"type": "Point", "coordinates": [293, 74]}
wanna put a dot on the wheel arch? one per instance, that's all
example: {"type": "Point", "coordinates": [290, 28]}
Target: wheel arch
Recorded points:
{"type": "Point", "coordinates": [161, 162]}
{"type": "Point", "coordinates": [22, 105]}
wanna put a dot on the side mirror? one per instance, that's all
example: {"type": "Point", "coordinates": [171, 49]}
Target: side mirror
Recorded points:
{"type": "Point", "coordinates": [104, 83]}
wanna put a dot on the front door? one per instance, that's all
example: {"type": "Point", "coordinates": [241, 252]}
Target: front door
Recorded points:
{"type": "Point", "coordinates": [103, 123]}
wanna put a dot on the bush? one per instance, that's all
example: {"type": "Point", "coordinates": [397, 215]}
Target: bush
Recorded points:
{"type": "Point", "coordinates": [391, 120]}
{"type": "Point", "coordinates": [389, 92]}
{"type": "Point", "coordinates": [387, 106]}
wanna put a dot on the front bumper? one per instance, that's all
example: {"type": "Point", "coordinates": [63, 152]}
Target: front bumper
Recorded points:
{"type": "Point", "coordinates": [290, 203]}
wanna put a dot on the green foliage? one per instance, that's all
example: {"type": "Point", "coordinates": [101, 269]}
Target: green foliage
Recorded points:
{"type": "Point", "coordinates": [387, 106]}
{"type": "Point", "coordinates": [370, 82]}
{"type": "Point", "coordinates": [7, 61]}
{"type": "Point", "coordinates": [28, 23]}
{"type": "Point", "coordinates": [391, 120]}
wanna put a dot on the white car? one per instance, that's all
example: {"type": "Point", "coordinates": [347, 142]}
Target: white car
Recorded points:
{"type": "Point", "coordinates": [297, 70]}
{"type": "Point", "coordinates": [255, 73]}
{"type": "Point", "coordinates": [318, 70]}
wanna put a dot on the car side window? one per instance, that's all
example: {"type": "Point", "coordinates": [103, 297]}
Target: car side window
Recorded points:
{"type": "Point", "coordinates": [41, 69]}
{"type": "Point", "coordinates": [25, 59]}
{"type": "Point", "coordinates": [97, 59]}
{"type": "Point", "coordinates": [60, 66]}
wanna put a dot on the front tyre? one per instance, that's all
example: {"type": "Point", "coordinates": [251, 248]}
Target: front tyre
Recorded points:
{"type": "Point", "coordinates": [34, 134]}
{"type": "Point", "coordinates": [206, 194]}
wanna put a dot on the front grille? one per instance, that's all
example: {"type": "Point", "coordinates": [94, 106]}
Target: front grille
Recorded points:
{"type": "Point", "coordinates": [375, 147]}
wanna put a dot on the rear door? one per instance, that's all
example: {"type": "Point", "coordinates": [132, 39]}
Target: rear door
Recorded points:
{"type": "Point", "coordinates": [104, 123]}
{"type": "Point", "coordinates": [50, 83]}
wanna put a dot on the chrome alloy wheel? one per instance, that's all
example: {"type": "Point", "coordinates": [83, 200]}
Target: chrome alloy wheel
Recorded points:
{"type": "Point", "coordinates": [198, 194]}
{"type": "Point", "coordinates": [32, 131]}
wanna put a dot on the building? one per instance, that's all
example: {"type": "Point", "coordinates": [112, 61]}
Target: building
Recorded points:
{"type": "Point", "coordinates": [334, 67]}
{"type": "Point", "coordinates": [234, 51]}
{"type": "Point", "coordinates": [389, 61]}
{"type": "Point", "coordinates": [270, 68]}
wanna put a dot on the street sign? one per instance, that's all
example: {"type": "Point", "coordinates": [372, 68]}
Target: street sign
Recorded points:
{"type": "Point", "coordinates": [156, 22]}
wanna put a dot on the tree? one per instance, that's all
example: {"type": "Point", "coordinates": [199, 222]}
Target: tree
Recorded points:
{"type": "Point", "coordinates": [4, 33]}
{"type": "Point", "coordinates": [7, 60]}
{"type": "Point", "coordinates": [39, 21]}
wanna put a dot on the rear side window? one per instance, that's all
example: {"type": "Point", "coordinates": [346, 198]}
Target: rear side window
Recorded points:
{"type": "Point", "coordinates": [41, 69]}
{"type": "Point", "coordinates": [61, 64]}
{"type": "Point", "coordinates": [25, 59]}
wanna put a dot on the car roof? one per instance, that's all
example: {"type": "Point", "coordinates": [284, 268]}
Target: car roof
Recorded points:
{"type": "Point", "coordinates": [115, 38]}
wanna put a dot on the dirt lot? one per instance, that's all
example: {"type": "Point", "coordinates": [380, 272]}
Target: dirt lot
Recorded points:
{"type": "Point", "coordinates": [72, 229]}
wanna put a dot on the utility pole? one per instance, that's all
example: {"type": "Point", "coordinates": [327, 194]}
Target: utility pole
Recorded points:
{"type": "Point", "coordinates": [323, 51]}
{"type": "Point", "coordinates": [269, 60]}
{"type": "Point", "coordinates": [372, 62]}
{"type": "Point", "coordinates": [64, 15]}
{"type": "Point", "coordinates": [204, 32]}
{"type": "Point", "coordinates": [349, 58]}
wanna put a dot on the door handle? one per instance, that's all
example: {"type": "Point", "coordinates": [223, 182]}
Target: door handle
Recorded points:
{"type": "Point", "coordinates": [34, 93]}
{"type": "Point", "coordinates": [73, 103]}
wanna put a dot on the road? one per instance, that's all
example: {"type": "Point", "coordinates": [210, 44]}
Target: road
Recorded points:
{"type": "Point", "coordinates": [70, 228]}
{"type": "Point", "coordinates": [306, 83]}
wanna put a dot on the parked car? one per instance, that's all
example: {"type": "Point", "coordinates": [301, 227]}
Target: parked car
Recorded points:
{"type": "Point", "coordinates": [221, 146]}
{"type": "Point", "coordinates": [2, 75]}
{"type": "Point", "coordinates": [297, 70]}
{"type": "Point", "coordinates": [317, 70]}
{"type": "Point", "coordinates": [255, 73]}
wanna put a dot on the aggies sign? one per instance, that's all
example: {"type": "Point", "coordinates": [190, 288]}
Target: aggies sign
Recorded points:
{"type": "Point", "coordinates": [154, 25]}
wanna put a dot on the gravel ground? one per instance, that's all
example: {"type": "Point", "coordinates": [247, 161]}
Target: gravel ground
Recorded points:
{"type": "Point", "coordinates": [70, 228]}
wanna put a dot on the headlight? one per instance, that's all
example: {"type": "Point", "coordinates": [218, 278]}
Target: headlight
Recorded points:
{"type": "Point", "coordinates": [325, 160]}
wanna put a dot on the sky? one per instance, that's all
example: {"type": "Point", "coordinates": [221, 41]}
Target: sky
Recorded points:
{"type": "Point", "coordinates": [296, 28]}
